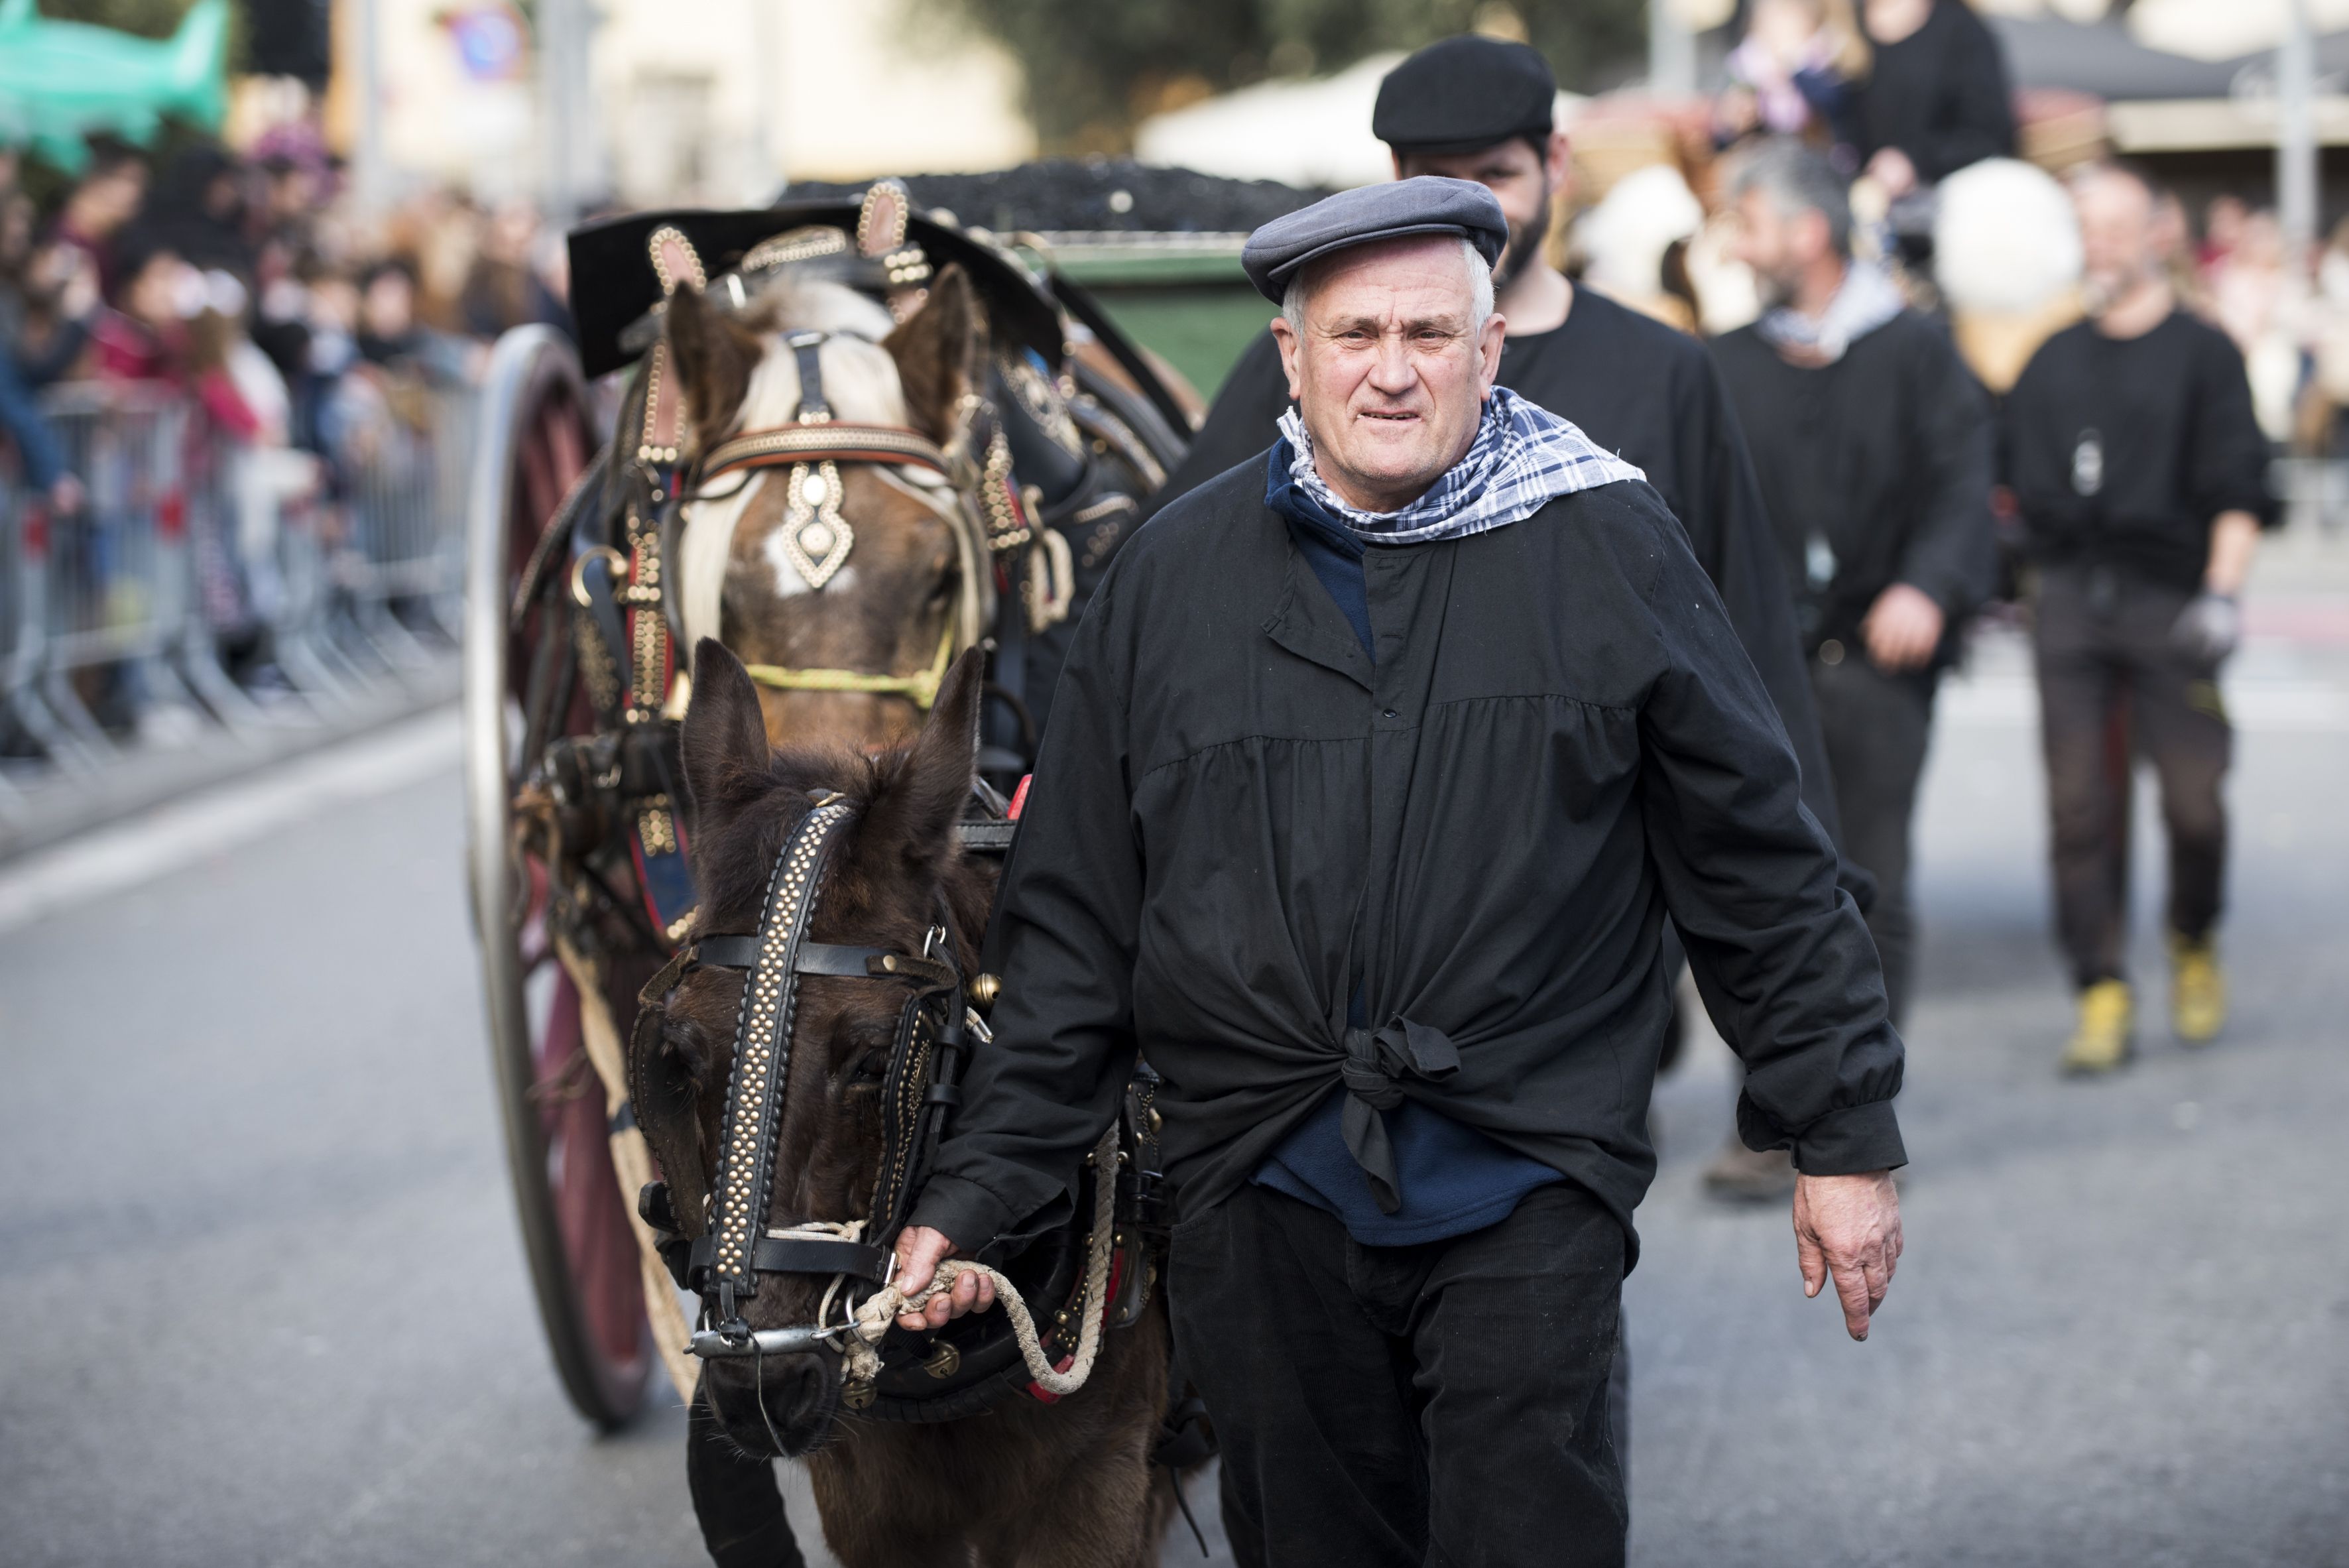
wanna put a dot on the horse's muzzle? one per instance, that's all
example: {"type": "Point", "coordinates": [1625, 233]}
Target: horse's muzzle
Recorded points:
{"type": "Point", "coordinates": [776, 1405]}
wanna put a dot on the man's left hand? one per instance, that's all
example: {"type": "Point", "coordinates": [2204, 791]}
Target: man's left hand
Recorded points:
{"type": "Point", "coordinates": [1848, 1226]}
{"type": "Point", "coordinates": [1903, 629]}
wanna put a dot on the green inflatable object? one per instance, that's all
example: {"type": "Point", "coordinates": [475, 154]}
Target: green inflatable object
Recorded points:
{"type": "Point", "coordinates": [60, 81]}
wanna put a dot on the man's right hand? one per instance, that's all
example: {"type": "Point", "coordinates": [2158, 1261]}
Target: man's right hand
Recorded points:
{"type": "Point", "coordinates": [920, 1250]}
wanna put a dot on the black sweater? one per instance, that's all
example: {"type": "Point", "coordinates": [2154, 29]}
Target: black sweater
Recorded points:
{"type": "Point", "coordinates": [1648, 394]}
{"type": "Point", "coordinates": [1940, 95]}
{"type": "Point", "coordinates": [1883, 459]}
{"type": "Point", "coordinates": [2122, 451]}
{"type": "Point", "coordinates": [1559, 743]}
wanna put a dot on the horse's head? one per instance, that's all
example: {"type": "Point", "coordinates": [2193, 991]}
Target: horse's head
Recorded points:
{"type": "Point", "coordinates": [880, 887]}
{"type": "Point", "coordinates": [754, 568]}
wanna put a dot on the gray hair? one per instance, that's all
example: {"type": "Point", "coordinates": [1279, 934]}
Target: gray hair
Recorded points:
{"type": "Point", "coordinates": [1796, 179]}
{"type": "Point", "coordinates": [1480, 283]}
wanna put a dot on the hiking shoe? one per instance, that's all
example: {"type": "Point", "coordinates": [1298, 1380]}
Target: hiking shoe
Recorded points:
{"type": "Point", "coordinates": [1739, 1175]}
{"type": "Point", "coordinates": [2198, 990]}
{"type": "Point", "coordinates": [2100, 1043]}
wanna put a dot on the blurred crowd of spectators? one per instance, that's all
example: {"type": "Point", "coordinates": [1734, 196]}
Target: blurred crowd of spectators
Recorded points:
{"type": "Point", "coordinates": [247, 285]}
{"type": "Point", "coordinates": [1900, 94]}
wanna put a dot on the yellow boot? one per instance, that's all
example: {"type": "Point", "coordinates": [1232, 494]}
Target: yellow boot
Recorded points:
{"type": "Point", "coordinates": [2198, 990]}
{"type": "Point", "coordinates": [2100, 1044]}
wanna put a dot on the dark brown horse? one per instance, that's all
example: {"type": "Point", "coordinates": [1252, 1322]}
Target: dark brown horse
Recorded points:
{"type": "Point", "coordinates": [1024, 1482]}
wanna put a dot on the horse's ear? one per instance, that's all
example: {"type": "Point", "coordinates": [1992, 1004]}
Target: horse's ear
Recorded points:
{"type": "Point", "coordinates": [915, 814]}
{"type": "Point", "coordinates": [714, 356]}
{"type": "Point", "coordinates": [936, 353]}
{"type": "Point", "coordinates": [723, 741]}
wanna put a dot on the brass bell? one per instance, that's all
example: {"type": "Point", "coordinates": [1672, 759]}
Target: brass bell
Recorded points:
{"type": "Point", "coordinates": [985, 988]}
{"type": "Point", "coordinates": [858, 1395]}
{"type": "Point", "coordinates": [943, 1361]}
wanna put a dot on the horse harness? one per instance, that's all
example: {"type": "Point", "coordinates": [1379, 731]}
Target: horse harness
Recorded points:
{"type": "Point", "coordinates": [723, 1252]}
{"type": "Point", "coordinates": [620, 525]}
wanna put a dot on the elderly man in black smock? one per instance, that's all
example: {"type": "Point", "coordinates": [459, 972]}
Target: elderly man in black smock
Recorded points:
{"type": "Point", "coordinates": [1375, 769]}
{"type": "Point", "coordinates": [1874, 446]}
{"type": "Point", "coordinates": [2141, 475]}
{"type": "Point", "coordinates": [1484, 110]}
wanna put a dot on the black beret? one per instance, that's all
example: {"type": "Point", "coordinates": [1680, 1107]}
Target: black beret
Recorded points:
{"type": "Point", "coordinates": [1428, 205]}
{"type": "Point", "coordinates": [1463, 94]}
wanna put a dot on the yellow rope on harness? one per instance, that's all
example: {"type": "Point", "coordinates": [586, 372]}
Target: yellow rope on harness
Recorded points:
{"type": "Point", "coordinates": [921, 689]}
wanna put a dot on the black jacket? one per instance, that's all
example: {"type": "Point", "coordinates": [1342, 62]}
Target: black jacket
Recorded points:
{"type": "Point", "coordinates": [1561, 741]}
{"type": "Point", "coordinates": [1940, 95]}
{"type": "Point", "coordinates": [1885, 459]}
{"type": "Point", "coordinates": [2121, 452]}
{"type": "Point", "coordinates": [1648, 394]}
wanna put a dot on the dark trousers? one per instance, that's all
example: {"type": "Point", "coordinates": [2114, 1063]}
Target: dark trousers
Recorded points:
{"type": "Point", "coordinates": [2111, 684]}
{"type": "Point", "coordinates": [1395, 1406]}
{"type": "Point", "coordinates": [1875, 727]}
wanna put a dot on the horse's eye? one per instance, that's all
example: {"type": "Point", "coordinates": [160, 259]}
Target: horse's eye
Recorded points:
{"type": "Point", "coordinates": [870, 1067]}
{"type": "Point", "coordinates": [684, 1040]}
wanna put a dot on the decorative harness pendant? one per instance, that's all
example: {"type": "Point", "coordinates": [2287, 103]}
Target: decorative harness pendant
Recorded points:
{"type": "Point", "coordinates": [816, 537]}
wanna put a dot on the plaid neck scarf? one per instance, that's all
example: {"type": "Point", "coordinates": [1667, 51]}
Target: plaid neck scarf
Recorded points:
{"type": "Point", "coordinates": [1866, 301]}
{"type": "Point", "coordinates": [1523, 458]}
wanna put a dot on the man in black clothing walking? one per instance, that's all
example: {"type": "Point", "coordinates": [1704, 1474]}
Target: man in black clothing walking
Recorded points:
{"type": "Point", "coordinates": [1374, 770]}
{"type": "Point", "coordinates": [2142, 479]}
{"type": "Point", "coordinates": [1873, 442]}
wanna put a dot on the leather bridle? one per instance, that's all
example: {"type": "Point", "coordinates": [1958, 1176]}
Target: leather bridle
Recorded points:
{"type": "Point", "coordinates": [737, 1248]}
{"type": "Point", "coordinates": [816, 537]}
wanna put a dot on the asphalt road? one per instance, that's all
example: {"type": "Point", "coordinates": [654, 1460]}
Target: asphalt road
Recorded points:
{"type": "Point", "coordinates": [262, 1302]}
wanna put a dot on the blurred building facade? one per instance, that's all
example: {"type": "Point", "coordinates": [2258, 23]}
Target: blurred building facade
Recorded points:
{"type": "Point", "coordinates": [722, 101]}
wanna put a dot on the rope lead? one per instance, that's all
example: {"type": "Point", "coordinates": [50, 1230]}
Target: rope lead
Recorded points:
{"type": "Point", "coordinates": [873, 1318]}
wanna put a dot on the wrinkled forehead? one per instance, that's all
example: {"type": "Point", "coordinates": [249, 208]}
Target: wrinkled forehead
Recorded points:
{"type": "Point", "coordinates": [1417, 276]}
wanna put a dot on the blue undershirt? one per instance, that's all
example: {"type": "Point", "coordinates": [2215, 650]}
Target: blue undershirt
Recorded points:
{"type": "Point", "coordinates": [1452, 1179]}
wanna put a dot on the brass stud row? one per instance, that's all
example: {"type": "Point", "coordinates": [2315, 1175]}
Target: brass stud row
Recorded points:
{"type": "Point", "coordinates": [768, 999]}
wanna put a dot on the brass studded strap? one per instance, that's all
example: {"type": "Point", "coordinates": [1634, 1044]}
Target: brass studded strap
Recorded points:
{"type": "Point", "coordinates": [833, 441]}
{"type": "Point", "coordinates": [762, 1043]}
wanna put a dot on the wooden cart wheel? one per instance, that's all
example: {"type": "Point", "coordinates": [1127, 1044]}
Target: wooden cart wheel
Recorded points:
{"type": "Point", "coordinates": [535, 438]}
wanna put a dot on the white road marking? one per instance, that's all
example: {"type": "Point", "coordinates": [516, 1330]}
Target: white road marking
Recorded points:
{"type": "Point", "coordinates": [181, 833]}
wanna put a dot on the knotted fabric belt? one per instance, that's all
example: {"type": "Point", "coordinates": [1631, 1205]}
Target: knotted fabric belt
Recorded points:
{"type": "Point", "coordinates": [1376, 1061]}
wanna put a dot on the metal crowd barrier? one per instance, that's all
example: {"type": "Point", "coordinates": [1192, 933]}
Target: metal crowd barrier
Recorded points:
{"type": "Point", "coordinates": [406, 548]}
{"type": "Point", "coordinates": [196, 556]}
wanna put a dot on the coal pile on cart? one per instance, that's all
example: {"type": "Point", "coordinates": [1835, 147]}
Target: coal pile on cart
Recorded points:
{"type": "Point", "coordinates": [1070, 195]}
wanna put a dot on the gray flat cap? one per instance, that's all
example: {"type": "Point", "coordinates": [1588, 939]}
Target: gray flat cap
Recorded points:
{"type": "Point", "coordinates": [1427, 205]}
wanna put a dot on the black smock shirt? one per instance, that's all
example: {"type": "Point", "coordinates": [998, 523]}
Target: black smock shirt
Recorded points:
{"type": "Point", "coordinates": [2122, 451]}
{"type": "Point", "coordinates": [1560, 742]}
{"type": "Point", "coordinates": [1875, 469]}
{"type": "Point", "coordinates": [1940, 95]}
{"type": "Point", "coordinates": [1649, 395]}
